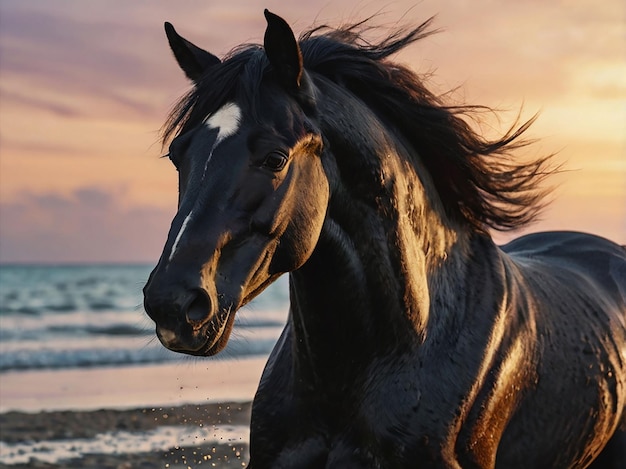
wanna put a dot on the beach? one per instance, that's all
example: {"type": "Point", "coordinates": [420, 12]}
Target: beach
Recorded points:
{"type": "Point", "coordinates": [183, 415]}
{"type": "Point", "coordinates": [100, 439]}
{"type": "Point", "coordinates": [85, 383]}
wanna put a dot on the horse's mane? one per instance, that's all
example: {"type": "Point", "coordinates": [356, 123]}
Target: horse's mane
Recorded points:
{"type": "Point", "coordinates": [477, 179]}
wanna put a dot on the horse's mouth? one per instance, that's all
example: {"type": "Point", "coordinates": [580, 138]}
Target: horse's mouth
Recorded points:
{"type": "Point", "coordinates": [204, 341]}
{"type": "Point", "coordinates": [217, 332]}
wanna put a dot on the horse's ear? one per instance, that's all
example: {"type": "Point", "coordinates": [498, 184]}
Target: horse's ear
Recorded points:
{"type": "Point", "coordinates": [193, 60]}
{"type": "Point", "coordinates": [282, 50]}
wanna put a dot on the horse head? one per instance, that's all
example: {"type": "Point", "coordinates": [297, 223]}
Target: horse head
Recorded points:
{"type": "Point", "coordinates": [252, 195]}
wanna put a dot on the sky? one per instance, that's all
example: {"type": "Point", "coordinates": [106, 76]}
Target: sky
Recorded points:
{"type": "Point", "coordinates": [86, 86]}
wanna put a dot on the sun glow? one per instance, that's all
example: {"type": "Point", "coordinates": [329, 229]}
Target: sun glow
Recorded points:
{"type": "Point", "coordinates": [81, 109]}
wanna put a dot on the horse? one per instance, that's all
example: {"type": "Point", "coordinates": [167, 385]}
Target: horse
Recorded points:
{"type": "Point", "coordinates": [412, 339]}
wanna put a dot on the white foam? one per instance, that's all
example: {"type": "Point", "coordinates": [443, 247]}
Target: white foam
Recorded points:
{"type": "Point", "coordinates": [121, 442]}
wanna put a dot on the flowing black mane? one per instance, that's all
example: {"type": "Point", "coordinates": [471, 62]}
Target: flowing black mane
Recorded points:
{"type": "Point", "coordinates": [477, 179]}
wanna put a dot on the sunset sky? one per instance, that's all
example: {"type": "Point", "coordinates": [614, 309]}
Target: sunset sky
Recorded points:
{"type": "Point", "coordinates": [86, 85]}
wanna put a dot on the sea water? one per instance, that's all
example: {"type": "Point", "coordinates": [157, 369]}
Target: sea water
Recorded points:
{"type": "Point", "coordinates": [54, 317]}
{"type": "Point", "coordinates": [91, 316]}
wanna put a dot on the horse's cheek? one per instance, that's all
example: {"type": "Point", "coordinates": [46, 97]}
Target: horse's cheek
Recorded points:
{"type": "Point", "coordinates": [308, 211]}
{"type": "Point", "coordinates": [312, 211]}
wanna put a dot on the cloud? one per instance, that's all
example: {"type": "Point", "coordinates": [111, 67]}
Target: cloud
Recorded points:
{"type": "Point", "coordinates": [89, 225]}
{"type": "Point", "coordinates": [76, 61]}
{"type": "Point", "coordinates": [20, 100]}
{"type": "Point", "coordinates": [85, 86]}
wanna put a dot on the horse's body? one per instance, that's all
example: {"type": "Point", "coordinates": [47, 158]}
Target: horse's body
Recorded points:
{"type": "Point", "coordinates": [439, 403]}
{"type": "Point", "coordinates": [412, 339]}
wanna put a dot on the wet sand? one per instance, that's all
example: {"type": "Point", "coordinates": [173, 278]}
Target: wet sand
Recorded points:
{"type": "Point", "coordinates": [70, 426]}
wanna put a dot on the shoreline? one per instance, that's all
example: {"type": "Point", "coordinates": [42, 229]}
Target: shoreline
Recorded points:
{"type": "Point", "coordinates": [131, 387]}
{"type": "Point", "coordinates": [194, 413]}
{"type": "Point", "coordinates": [187, 436]}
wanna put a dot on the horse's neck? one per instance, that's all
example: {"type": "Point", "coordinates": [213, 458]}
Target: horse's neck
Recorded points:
{"type": "Point", "coordinates": [374, 274]}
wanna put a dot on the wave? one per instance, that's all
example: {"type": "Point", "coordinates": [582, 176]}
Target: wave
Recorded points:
{"type": "Point", "coordinates": [70, 317]}
{"type": "Point", "coordinates": [120, 350]}
{"type": "Point", "coordinates": [48, 289]}
{"type": "Point", "coordinates": [118, 329]}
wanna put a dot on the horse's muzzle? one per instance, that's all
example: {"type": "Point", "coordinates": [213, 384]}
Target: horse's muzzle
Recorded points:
{"type": "Point", "coordinates": [186, 320]}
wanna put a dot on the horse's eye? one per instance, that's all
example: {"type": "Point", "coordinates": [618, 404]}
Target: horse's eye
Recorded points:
{"type": "Point", "coordinates": [275, 161]}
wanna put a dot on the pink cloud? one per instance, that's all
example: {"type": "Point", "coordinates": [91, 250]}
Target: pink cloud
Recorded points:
{"type": "Point", "coordinates": [90, 225]}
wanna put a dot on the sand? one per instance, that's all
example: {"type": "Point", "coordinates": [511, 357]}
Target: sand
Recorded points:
{"type": "Point", "coordinates": [191, 414]}
{"type": "Point", "coordinates": [70, 428]}
{"type": "Point", "coordinates": [188, 381]}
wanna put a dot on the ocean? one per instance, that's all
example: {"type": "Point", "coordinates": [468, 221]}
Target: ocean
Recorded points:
{"type": "Point", "coordinates": [77, 338]}
{"type": "Point", "coordinates": [85, 316]}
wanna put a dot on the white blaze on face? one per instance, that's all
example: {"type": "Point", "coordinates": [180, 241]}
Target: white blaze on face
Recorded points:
{"type": "Point", "coordinates": [226, 120]}
{"type": "Point", "coordinates": [179, 235]}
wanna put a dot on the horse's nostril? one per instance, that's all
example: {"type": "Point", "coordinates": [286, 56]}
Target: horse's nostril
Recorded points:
{"type": "Point", "coordinates": [199, 309]}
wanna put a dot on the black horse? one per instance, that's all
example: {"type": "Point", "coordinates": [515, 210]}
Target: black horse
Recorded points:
{"type": "Point", "coordinates": [412, 339]}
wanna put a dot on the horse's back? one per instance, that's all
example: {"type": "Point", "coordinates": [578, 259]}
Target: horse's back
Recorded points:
{"type": "Point", "coordinates": [598, 260]}
{"type": "Point", "coordinates": [577, 285]}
